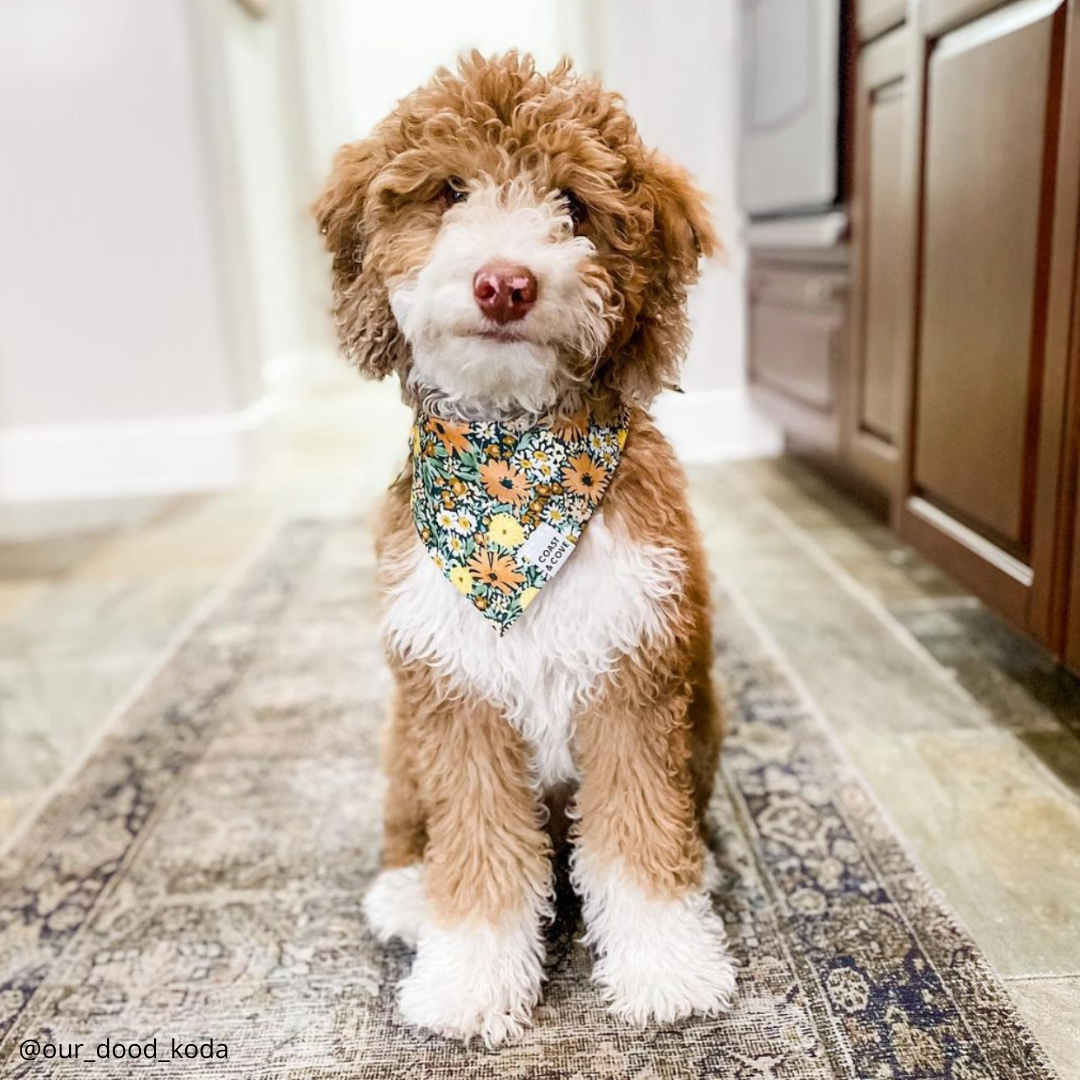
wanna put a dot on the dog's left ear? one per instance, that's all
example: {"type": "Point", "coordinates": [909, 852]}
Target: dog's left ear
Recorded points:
{"type": "Point", "coordinates": [645, 357]}
{"type": "Point", "coordinates": [683, 228]}
{"type": "Point", "coordinates": [368, 332]}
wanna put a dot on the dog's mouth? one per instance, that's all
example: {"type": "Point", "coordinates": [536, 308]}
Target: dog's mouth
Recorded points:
{"type": "Point", "coordinates": [505, 336]}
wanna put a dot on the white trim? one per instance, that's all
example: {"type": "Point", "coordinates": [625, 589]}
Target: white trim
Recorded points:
{"type": "Point", "coordinates": [816, 231]}
{"type": "Point", "coordinates": [137, 457]}
{"type": "Point", "coordinates": [717, 425]}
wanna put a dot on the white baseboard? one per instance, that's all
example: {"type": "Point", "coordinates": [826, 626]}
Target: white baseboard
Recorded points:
{"type": "Point", "coordinates": [716, 425]}
{"type": "Point", "coordinates": [127, 458]}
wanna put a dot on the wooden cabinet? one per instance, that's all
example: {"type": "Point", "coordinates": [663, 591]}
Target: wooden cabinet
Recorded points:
{"type": "Point", "coordinates": [946, 378]}
{"type": "Point", "coordinates": [995, 279]}
{"type": "Point", "coordinates": [883, 216]}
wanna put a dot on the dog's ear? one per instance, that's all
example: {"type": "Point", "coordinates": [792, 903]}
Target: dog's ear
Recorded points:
{"type": "Point", "coordinates": [682, 224]}
{"type": "Point", "coordinates": [368, 332]}
{"type": "Point", "coordinates": [677, 234]}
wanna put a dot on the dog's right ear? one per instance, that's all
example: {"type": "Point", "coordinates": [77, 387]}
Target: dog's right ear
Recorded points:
{"type": "Point", "coordinates": [367, 329]}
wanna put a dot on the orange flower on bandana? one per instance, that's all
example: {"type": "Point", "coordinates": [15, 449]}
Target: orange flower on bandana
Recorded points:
{"type": "Point", "coordinates": [451, 435]}
{"type": "Point", "coordinates": [504, 482]}
{"type": "Point", "coordinates": [572, 427]}
{"type": "Point", "coordinates": [584, 477]}
{"type": "Point", "coordinates": [498, 571]}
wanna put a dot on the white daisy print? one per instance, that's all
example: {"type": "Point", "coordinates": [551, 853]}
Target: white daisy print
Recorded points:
{"type": "Point", "coordinates": [463, 522]}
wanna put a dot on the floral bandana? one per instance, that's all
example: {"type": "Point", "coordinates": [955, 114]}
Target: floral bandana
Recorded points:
{"type": "Point", "coordinates": [500, 506]}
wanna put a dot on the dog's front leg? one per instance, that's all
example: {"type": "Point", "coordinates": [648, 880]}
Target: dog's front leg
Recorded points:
{"type": "Point", "coordinates": [487, 873]}
{"type": "Point", "coordinates": [661, 950]}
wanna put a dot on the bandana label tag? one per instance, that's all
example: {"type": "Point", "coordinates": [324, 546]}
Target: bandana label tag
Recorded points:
{"type": "Point", "coordinates": [546, 548]}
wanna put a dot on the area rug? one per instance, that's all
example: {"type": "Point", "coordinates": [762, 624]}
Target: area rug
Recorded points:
{"type": "Point", "coordinates": [189, 903]}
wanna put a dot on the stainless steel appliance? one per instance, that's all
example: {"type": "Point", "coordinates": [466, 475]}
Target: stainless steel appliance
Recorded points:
{"type": "Point", "coordinates": [791, 107]}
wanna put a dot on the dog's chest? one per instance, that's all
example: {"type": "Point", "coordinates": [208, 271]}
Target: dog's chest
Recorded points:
{"type": "Point", "coordinates": [611, 598]}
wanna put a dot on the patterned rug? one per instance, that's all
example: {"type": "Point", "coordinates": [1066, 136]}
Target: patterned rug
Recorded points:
{"type": "Point", "coordinates": [195, 889]}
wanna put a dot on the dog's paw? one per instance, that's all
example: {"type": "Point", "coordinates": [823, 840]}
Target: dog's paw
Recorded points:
{"type": "Point", "coordinates": [658, 959]}
{"type": "Point", "coordinates": [474, 981]}
{"type": "Point", "coordinates": [394, 904]}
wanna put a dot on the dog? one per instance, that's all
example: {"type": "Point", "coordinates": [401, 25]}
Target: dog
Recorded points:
{"type": "Point", "coordinates": [506, 244]}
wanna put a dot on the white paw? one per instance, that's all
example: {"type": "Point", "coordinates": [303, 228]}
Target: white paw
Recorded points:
{"type": "Point", "coordinates": [657, 959]}
{"type": "Point", "coordinates": [394, 904]}
{"type": "Point", "coordinates": [474, 980]}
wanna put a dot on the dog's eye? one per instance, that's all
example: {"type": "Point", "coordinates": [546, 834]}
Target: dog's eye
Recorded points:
{"type": "Point", "coordinates": [575, 206]}
{"type": "Point", "coordinates": [454, 191]}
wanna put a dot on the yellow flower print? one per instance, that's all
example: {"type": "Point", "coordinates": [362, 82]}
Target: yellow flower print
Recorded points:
{"type": "Point", "coordinates": [505, 531]}
{"type": "Point", "coordinates": [416, 440]}
{"type": "Point", "coordinates": [462, 580]}
{"type": "Point", "coordinates": [527, 596]}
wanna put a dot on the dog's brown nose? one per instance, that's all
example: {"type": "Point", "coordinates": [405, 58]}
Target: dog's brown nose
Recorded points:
{"type": "Point", "coordinates": [504, 292]}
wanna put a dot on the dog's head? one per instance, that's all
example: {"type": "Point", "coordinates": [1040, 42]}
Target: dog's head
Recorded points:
{"type": "Point", "coordinates": [506, 243]}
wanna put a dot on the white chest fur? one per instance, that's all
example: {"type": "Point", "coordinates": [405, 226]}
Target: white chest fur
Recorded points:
{"type": "Point", "coordinates": [607, 601]}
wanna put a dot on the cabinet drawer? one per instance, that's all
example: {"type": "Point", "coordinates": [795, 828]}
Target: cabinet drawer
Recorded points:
{"type": "Point", "coordinates": [796, 336]}
{"type": "Point", "coordinates": [795, 352]}
{"type": "Point", "coordinates": [877, 16]}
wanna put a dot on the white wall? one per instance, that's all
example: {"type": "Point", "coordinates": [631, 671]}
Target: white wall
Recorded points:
{"type": "Point", "coordinates": [254, 107]}
{"type": "Point", "coordinates": [675, 64]}
{"type": "Point", "coordinates": [158, 254]}
{"type": "Point", "coordinates": [384, 51]}
{"type": "Point", "coordinates": [110, 307]}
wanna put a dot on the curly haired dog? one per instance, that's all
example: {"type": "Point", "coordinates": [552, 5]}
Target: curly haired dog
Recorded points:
{"type": "Point", "coordinates": [507, 245]}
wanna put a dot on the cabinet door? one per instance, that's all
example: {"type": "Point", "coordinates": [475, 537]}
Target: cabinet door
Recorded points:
{"type": "Point", "coordinates": [997, 239]}
{"type": "Point", "coordinates": [883, 238]}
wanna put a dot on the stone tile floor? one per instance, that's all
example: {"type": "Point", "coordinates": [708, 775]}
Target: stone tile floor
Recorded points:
{"type": "Point", "coordinates": [966, 733]}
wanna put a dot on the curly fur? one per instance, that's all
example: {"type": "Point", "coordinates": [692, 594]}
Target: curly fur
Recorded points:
{"type": "Point", "coordinates": [604, 684]}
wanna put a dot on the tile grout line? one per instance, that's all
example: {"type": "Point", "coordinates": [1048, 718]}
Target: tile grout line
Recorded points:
{"type": "Point", "coordinates": [935, 603]}
{"type": "Point", "coordinates": [1047, 976]}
